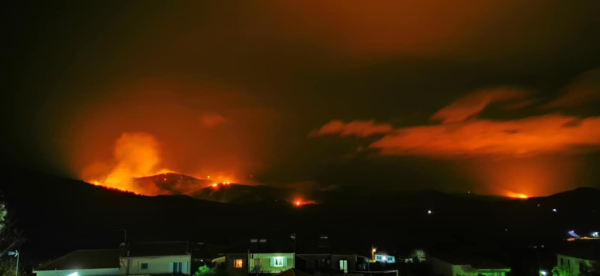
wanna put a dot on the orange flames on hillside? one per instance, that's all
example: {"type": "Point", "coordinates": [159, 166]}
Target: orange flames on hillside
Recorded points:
{"type": "Point", "coordinates": [136, 155]}
{"type": "Point", "coordinates": [516, 195]}
{"type": "Point", "coordinates": [300, 202]}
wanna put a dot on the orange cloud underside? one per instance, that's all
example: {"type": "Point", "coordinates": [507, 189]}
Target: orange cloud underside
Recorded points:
{"type": "Point", "coordinates": [513, 157]}
{"type": "Point", "coordinates": [358, 128]}
{"type": "Point", "coordinates": [524, 137]}
{"type": "Point", "coordinates": [473, 104]}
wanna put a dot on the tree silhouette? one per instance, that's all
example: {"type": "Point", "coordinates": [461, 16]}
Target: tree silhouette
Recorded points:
{"type": "Point", "coordinates": [10, 236]}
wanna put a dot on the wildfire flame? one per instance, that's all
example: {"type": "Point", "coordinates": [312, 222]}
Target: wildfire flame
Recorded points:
{"type": "Point", "coordinates": [300, 202]}
{"type": "Point", "coordinates": [516, 195]}
{"type": "Point", "coordinates": [137, 155]}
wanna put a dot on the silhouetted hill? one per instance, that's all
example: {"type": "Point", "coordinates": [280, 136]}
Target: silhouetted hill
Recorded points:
{"type": "Point", "coordinates": [580, 195]}
{"type": "Point", "coordinates": [60, 214]}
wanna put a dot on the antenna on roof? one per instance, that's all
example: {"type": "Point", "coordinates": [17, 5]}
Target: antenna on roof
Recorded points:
{"type": "Point", "coordinates": [124, 237]}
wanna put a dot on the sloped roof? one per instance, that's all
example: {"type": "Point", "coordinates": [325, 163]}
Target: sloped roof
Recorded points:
{"type": "Point", "coordinates": [155, 249]}
{"type": "Point", "coordinates": [85, 259]}
{"type": "Point", "coordinates": [469, 259]}
{"type": "Point", "coordinates": [591, 252]}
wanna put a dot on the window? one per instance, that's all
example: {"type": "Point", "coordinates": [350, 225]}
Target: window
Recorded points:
{"type": "Point", "coordinates": [144, 266]}
{"type": "Point", "coordinates": [178, 267]}
{"type": "Point", "coordinates": [238, 263]}
{"type": "Point", "coordinates": [344, 266]}
{"type": "Point", "coordinates": [278, 261]}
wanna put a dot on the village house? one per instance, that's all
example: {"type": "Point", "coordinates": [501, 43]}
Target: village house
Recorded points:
{"type": "Point", "coordinates": [150, 258]}
{"type": "Point", "coordinates": [579, 260]}
{"type": "Point", "coordinates": [154, 258]}
{"type": "Point", "coordinates": [324, 257]}
{"type": "Point", "coordinates": [258, 256]}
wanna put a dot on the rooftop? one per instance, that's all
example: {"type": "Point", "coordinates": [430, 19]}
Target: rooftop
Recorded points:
{"type": "Point", "coordinates": [591, 252]}
{"type": "Point", "coordinates": [474, 261]}
{"type": "Point", "coordinates": [85, 259]}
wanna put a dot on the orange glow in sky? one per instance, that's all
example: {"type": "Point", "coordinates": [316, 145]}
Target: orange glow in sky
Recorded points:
{"type": "Point", "coordinates": [523, 177]}
{"type": "Point", "coordinates": [516, 195]}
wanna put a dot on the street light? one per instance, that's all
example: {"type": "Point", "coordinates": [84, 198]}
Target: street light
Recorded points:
{"type": "Point", "coordinates": [16, 254]}
{"type": "Point", "coordinates": [373, 250]}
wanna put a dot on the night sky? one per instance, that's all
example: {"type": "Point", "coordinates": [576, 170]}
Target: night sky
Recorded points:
{"type": "Point", "coordinates": [495, 97]}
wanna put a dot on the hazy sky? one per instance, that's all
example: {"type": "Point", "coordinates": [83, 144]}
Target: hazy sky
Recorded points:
{"type": "Point", "coordinates": [487, 96]}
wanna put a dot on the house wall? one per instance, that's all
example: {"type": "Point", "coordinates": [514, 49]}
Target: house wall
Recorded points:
{"type": "Point", "coordinates": [231, 269]}
{"type": "Point", "coordinates": [80, 272]}
{"type": "Point", "coordinates": [156, 265]}
{"type": "Point", "coordinates": [353, 260]}
{"type": "Point", "coordinates": [265, 262]}
{"type": "Point", "coordinates": [572, 264]}
{"type": "Point", "coordinates": [496, 272]}
{"type": "Point", "coordinates": [308, 262]}
{"type": "Point", "coordinates": [467, 270]}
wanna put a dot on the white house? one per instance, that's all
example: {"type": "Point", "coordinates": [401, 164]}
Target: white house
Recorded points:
{"type": "Point", "coordinates": [464, 265]}
{"type": "Point", "coordinates": [578, 260]}
{"type": "Point", "coordinates": [154, 258]}
{"type": "Point", "coordinates": [384, 258]}
{"type": "Point", "coordinates": [83, 263]}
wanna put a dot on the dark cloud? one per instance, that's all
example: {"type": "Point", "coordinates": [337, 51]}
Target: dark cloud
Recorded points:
{"type": "Point", "coordinates": [585, 90]}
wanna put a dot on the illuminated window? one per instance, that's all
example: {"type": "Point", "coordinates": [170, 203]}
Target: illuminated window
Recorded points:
{"type": "Point", "coordinates": [344, 266]}
{"type": "Point", "coordinates": [144, 266]}
{"type": "Point", "coordinates": [278, 261]}
{"type": "Point", "coordinates": [238, 263]}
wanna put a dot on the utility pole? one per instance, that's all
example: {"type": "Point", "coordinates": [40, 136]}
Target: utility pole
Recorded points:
{"type": "Point", "coordinates": [16, 254]}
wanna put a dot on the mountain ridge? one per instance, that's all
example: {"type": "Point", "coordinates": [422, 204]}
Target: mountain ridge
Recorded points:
{"type": "Point", "coordinates": [60, 214]}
